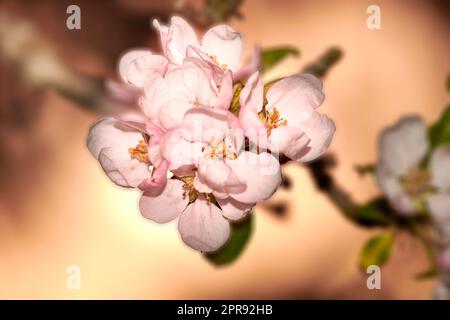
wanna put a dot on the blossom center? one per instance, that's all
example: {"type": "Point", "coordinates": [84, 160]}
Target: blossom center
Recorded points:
{"type": "Point", "coordinates": [220, 150]}
{"type": "Point", "coordinates": [221, 66]}
{"type": "Point", "coordinates": [273, 120]}
{"type": "Point", "coordinates": [140, 151]}
{"type": "Point", "coordinates": [416, 182]}
{"type": "Point", "coordinates": [188, 189]}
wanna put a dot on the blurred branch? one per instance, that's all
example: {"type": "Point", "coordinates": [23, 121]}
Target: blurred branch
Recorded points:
{"type": "Point", "coordinates": [213, 12]}
{"type": "Point", "coordinates": [323, 64]}
{"type": "Point", "coordinates": [22, 46]}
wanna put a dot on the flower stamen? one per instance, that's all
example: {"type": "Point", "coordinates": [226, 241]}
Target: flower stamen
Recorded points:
{"type": "Point", "coordinates": [221, 66]}
{"type": "Point", "coordinates": [416, 182]}
{"type": "Point", "coordinates": [223, 149]}
{"type": "Point", "coordinates": [273, 120]}
{"type": "Point", "coordinates": [140, 151]}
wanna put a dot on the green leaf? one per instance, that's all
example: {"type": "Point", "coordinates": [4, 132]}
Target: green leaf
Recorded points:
{"type": "Point", "coordinates": [377, 250]}
{"type": "Point", "coordinates": [240, 234]}
{"type": "Point", "coordinates": [323, 64]}
{"type": "Point", "coordinates": [425, 275]}
{"type": "Point", "coordinates": [272, 56]}
{"type": "Point", "coordinates": [439, 133]}
{"type": "Point", "coordinates": [448, 83]}
{"type": "Point", "coordinates": [373, 213]}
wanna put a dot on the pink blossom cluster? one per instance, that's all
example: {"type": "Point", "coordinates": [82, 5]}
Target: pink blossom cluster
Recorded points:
{"type": "Point", "coordinates": [189, 154]}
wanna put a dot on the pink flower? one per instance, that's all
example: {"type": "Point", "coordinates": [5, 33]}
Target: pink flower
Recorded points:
{"type": "Point", "coordinates": [288, 123]}
{"type": "Point", "coordinates": [136, 66]}
{"type": "Point", "coordinates": [410, 184]}
{"type": "Point", "coordinates": [223, 183]}
{"type": "Point", "coordinates": [126, 150]}
{"type": "Point", "coordinates": [166, 99]}
{"type": "Point", "coordinates": [211, 140]}
{"type": "Point", "coordinates": [201, 223]}
{"type": "Point", "coordinates": [443, 262]}
{"type": "Point", "coordinates": [222, 44]}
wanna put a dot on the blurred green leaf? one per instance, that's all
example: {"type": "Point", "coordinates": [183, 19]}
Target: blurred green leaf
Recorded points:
{"type": "Point", "coordinates": [377, 250]}
{"type": "Point", "coordinates": [240, 234]}
{"type": "Point", "coordinates": [218, 11]}
{"type": "Point", "coordinates": [439, 133]}
{"type": "Point", "coordinates": [323, 64]}
{"type": "Point", "coordinates": [448, 82]}
{"type": "Point", "coordinates": [373, 213]}
{"type": "Point", "coordinates": [425, 275]}
{"type": "Point", "coordinates": [272, 56]}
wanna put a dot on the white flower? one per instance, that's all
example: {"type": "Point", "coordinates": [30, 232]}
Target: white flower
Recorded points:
{"type": "Point", "coordinates": [412, 182]}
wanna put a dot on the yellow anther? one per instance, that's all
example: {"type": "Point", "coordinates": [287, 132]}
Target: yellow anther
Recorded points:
{"type": "Point", "coordinates": [140, 152]}
{"type": "Point", "coordinates": [273, 120]}
{"type": "Point", "coordinates": [221, 66]}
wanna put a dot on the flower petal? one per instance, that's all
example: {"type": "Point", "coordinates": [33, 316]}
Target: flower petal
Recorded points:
{"type": "Point", "coordinates": [109, 132]}
{"type": "Point", "coordinates": [179, 37]}
{"type": "Point", "coordinates": [203, 227]}
{"type": "Point", "coordinates": [121, 168]}
{"type": "Point", "coordinates": [390, 185]}
{"type": "Point", "coordinates": [233, 209]}
{"type": "Point", "coordinates": [225, 93]}
{"type": "Point", "coordinates": [157, 182]}
{"type": "Point", "coordinates": [126, 60]}
{"type": "Point", "coordinates": [290, 141]}
{"type": "Point", "coordinates": [261, 173]}
{"type": "Point", "coordinates": [167, 205]}
{"type": "Point", "coordinates": [142, 68]}
{"type": "Point", "coordinates": [440, 169]}
{"type": "Point", "coordinates": [295, 97]}
{"type": "Point", "coordinates": [439, 205]}
{"type": "Point", "coordinates": [250, 68]}
{"type": "Point", "coordinates": [225, 44]}
{"type": "Point", "coordinates": [252, 94]}
{"type": "Point", "coordinates": [403, 145]}
{"type": "Point", "coordinates": [320, 131]}
{"type": "Point", "coordinates": [219, 176]}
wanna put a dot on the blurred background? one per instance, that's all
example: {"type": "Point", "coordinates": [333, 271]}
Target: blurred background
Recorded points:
{"type": "Point", "coordinates": [57, 208]}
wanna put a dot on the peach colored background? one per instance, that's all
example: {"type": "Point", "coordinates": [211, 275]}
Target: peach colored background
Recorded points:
{"type": "Point", "coordinates": [58, 208]}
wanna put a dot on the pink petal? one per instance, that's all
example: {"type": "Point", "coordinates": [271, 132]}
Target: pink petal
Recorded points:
{"type": "Point", "coordinates": [261, 173]}
{"type": "Point", "coordinates": [163, 32]}
{"type": "Point", "coordinates": [295, 97]}
{"type": "Point", "coordinates": [440, 168]}
{"type": "Point", "coordinates": [126, 60]}
{"type": "Point", "coordinates": [167, 205]}
{"type": "Point", "coordinates": [121, 92]}
{"type": "Point", "coordinates": [403, 145]}
{"type": "Point", "coordinates": [439, 206]}
{"type": "Point", "coordinates": [252, 94]}
{"type": "Point", "coordinates": [180, 36]}
{"type": "Point", "coordinates": [201, 186]}
{"type": "Point", "coordinates": [143, 67]}
{"type": "Point", "coordinates": [225, 93]}
{"type": "Point", "coordinates": [225, 44]}
{"type": "Point", "coordinates": [202, 226]}
{"type": "Point", "coordinates": [217, 73]}
{"type": "Point", "coordinates": [254, 128]}
{"type": "Point", "coordinates": [219, 176]}
{"type": "Point", "coordinates": [157, 182]}
{"type": "Point", "coordinates": [250, 68]}
{"type": "Point", "coordinates": [390, 185]}
{"type": "Point", "coordinates": [320, 131]}
{"type": "Point", "coordinates": [121, 168]}
{"type": "Point", "coordinates": [109, 132]}
{"type": "Point", "coordinates": [290, 141]}
{"type": "Point", "coordinates": [234, 210]}
{"type": "Point", "coordinates": [178, 147]}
